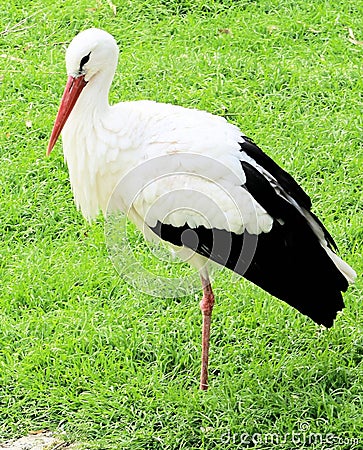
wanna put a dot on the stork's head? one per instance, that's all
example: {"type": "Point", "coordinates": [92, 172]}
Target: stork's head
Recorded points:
{"type": "Point", "coordinates": [92, 51]}
{"type": "Point", "coordinates": [91, 55]}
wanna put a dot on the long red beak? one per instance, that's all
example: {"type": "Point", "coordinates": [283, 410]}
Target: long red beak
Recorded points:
{"type": "Point", "coordinates": [71, 93]}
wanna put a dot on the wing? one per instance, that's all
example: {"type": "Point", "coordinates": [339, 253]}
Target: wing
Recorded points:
{"type": "Point", "coordinates": [286, 257]}
{"type": "Point", "coordinates": [202, 185]}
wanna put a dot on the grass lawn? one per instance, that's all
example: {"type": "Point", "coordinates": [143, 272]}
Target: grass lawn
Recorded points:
{"type": "Point", "coordinates": [83, 352]}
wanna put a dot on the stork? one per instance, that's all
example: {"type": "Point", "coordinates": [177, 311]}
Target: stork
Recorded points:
{"type": "Point", "coordinates": [201, 185]}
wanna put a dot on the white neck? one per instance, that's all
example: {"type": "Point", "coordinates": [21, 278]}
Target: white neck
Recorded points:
{"type": "Point", "coordinates": [83, 143]}
{"type": "Point", "coordinates": [94, 98]}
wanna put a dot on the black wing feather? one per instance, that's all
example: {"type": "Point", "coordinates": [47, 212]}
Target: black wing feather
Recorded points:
{"type": "Point", "coordinates": [286, 182]}
{"type": "Point", "coordinates": [288, 261]}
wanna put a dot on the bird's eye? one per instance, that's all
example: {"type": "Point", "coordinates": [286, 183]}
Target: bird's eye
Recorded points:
{"type": "Point", "coordinates": [84, 61]}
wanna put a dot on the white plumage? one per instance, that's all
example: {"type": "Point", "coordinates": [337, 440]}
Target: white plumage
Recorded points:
{"type": "Point", "coordinates": [146, 130]}
{"type": "Point", "coordinates": [173, 169]}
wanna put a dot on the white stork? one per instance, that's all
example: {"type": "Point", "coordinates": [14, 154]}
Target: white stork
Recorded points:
{"type": "Point", "coordinates": [259, 222]}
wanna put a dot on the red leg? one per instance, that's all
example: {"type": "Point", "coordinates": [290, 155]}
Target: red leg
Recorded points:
{"type": "Point", "coordinates": [206, 306]}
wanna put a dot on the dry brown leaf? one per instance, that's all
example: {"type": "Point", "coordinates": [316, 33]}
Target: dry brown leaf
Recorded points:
{"type": "Point", "coordinates": [225, 31]}
{"type": "Point", "coordinates": [352, 38]}
{"type": "Point", "coordinates": [313, 30]}
{"type": "Point", "coordinates": [112, 6]}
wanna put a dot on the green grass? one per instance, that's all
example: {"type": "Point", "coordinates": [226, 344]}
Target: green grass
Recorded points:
{"type": "Point", "coordinates": [83, 352]}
